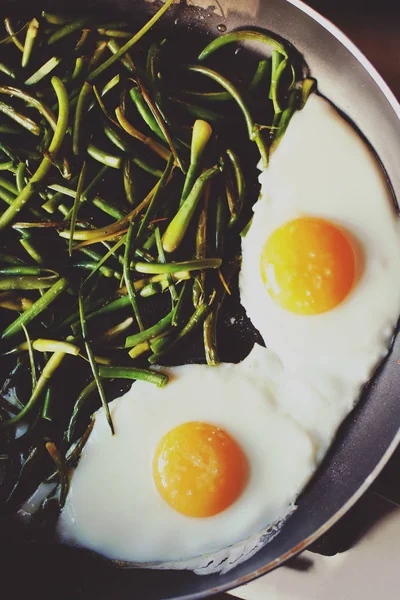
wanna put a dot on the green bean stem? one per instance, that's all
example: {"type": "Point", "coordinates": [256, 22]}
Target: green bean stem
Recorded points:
{"type": "Point", "coordinates": [243, 35]}
{"type": "Point", "coordinates": [252, 128]}
{"type": "Point", "coordinates": [47, 373]}
{"type": "Point", "coordinates": [39, 306]}
{"type": "Point", "coordinates": [83, 99]}
{"type": "Point", "coordinates": [127, 276]}
{"type": "Point", "coordinates": [31, 34]}
{"type": "Point", "coordinates": [202, 132]}
{"type": "Point", "coordinates": [22, 120]}
{"type": "Point", "coordinates": [176, 267]}
{"type": "Point", "coordinates": [177, 228]}
{"type": "Point", "coordinates": [159, 379]}
{"type": "Point", "coordinates": [131, 42]}
{"type": "Point", "coordinates": [45, 166]}
{"type": "Point", "coordinates": [94, 366]}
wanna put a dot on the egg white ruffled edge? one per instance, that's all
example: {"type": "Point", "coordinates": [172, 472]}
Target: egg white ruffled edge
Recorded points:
{"type": "Point", "coordinates": [220, 561]}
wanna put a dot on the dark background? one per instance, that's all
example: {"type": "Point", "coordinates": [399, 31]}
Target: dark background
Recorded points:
{"type": "Point", "coordinates": [374, 26]}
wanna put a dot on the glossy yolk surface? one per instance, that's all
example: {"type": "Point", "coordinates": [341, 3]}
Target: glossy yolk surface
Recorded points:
{"type": "Point", "coordinates": [199, 469]}
{"type": "Point", "coordinates": [308, 265]}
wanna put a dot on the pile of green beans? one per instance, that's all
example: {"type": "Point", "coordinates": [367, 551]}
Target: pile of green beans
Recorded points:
{"type": "Point", "coordinates": [124, 187]}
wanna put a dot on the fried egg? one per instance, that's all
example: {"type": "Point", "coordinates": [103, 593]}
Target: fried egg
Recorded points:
{"type": "Point", "coordinates": [198, 465]}
{"type": "Point", "coordinates": [321, 263]}
{"type": "Point", "coordinates": [199, 468]}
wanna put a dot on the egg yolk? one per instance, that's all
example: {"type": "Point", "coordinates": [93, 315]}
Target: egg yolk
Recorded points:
{"type": "Point", "coordinates": [308, 265]}
{"type": "Point", "coordinates": [199, 469]}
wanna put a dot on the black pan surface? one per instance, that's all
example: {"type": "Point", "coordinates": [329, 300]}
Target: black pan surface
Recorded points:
{"type": "Point", "coordinates": [370, 434]}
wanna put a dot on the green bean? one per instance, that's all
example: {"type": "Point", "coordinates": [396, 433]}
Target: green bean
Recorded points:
{"type": "Point", "coordinates": [277, 58]}
{"type": "Point", "coordinates": [59, 462]}
{"type": "Point", "coordinates": [275, 88]}
{"type": "Point", "coordinates": [45, 165]}
{"type": "Point", "coordinates": [6, 196]}
{"type": "Point", "coordinates": [177, 228]}
{"type": "Point", "coordinates": [261, 72]}
{"type": "Point", "coordinates": [177, 267]}
{"type": "Point", "coordinates": [150, 332]}
{"type": "Point", "coordinates": [160, 187]}
{"type": "Point", "coordinates": [78, 406]}
{"type": "Point", "coordinates": [131, 42]}
{"type": "Point", "coordinates": [31, 358]}
{"type": "Point", "coordinates": [91, 266]}
{"type": "Point", "coordinates": [28, 246]}
{"type": "Point", "coordinates": [43, 345]}
{"type": "Point", "coordinates": [104, 258]}
{"type": "Point", "coordinates": [83, 99]}
{"type": "Point", "coordinates": [44, 70]}
{"type": "Point", "coordinates": [55, 19]}
{"type": "Point", "coordinates": [144, 112]}
{"type": "Point", "coordinates": [78, 68]}
{"type": "Point", "coordinates": [25, 270]}
{"type": "Point", "coordinates": [47, 373]}
{"type": "Point", "coordinates": [11, 187]}
{"type": "Point", "coordinates": [68, 28]}
{"type": "Point", "coordinates": [308, 86]}
{"type": "Point", "coordinates": [48, 404]}
{"type": "Point", "coordinates": [97, 54]}
{"type": "Point", "coordinates": [108, 208]}
{"type": "Point", "coordinates": [8, 71]}
{"type": "Point", "coordinates": [20, 176]}
{"type": "Point", "coordinates": [10, 130]}
{"type": "Point", "coordinates": [126, 60]}
{"type": "Point", "coordinates": [235, 201]}
{"type": "Point", "coordinates": [162, 259]}
{"type": "Point", "coordinates": [201, 251]}
{"type": "Point", "coordinates": [22, 120]}
{"type": "Point", "coordinates": [111, 84]}
{"type": "Point", "coordinates": [242, 35]}
{"type": "Point", "coordinates": [113, 33]}
{"type": "Point", "coordinates": [252, 128]}
{"type": "Point", "coordinates": [152, 144]}
{"type": "Point", "coordinates": [284, 120]}
{"type": "Point", "coordinates": [12, 34]}
{"type": "Point", "coordinates": [11, 301]}
{"type": "Point", "coordinates": [31, 101]}
{"type": "Point", "coordinates": [38, 307]}
{"type": "Point", "coordinates": [26, 282]}
{"type": "Point", "coordinates": [104, 157]}
{"type": "Point", "coordinates": [7, 166]}
{"type": "Point", "coordinates": [127, 276]}
{"type": "Point", "coordinates": [116, 330]}
{"type": "Point", "coordinates": [158, 379]}
{"type": "Point", "coordinates": [129, 182]}
{"type": "Point", "coordinates": [197, 317]}
{"type": "Point", "coordinates": [200, 138]}
{"type": "Point", "coordinates": [31, 34]}
{"type": "Point", "coordinates": [178, 306]}
{"type": "Point", "coordinates": [198, 111]}
{"type": "Point", "coordinates": [75, 209]}
{"type": "Point", "coordinates": [93, 365]}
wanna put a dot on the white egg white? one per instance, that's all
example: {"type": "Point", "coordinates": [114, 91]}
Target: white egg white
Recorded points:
{"type": "Point", "coordinates": [113, 506]}
{"type": "Point", "coordinates": [322, 168]}
{"type": "Point", "coordinates": [283, 405]}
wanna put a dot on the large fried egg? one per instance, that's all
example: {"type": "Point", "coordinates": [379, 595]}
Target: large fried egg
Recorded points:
{"type": "Point", "coordinates": [321, 264]}
{"type": "Point", "coordinates": [198, 465]}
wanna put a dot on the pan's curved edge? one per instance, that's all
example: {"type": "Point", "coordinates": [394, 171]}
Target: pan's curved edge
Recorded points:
{"type": "Point", "coordinates": [351, 46]}
{"type": "Point", "coordinates": [341, 37]}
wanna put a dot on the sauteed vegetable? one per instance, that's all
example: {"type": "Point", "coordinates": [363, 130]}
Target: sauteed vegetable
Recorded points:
{"type": "Point", "coordinates": [128, 170]}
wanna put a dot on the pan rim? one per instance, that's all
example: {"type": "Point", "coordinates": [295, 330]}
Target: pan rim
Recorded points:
{"type": "Point", "coordinates": [272, 565]}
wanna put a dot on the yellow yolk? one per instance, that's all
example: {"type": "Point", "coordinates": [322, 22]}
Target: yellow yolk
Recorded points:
{"type": "Point", "coordinates": [199, 469]}
{"type": "Point", "coordinates": [308, 265]}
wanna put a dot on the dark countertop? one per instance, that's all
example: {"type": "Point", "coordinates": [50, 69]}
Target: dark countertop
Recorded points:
{"type": "Point", "coordinates": [374, 26]}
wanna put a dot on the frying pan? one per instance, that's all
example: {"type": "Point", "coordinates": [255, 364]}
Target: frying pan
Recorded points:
{"type": "Point", "coordinates": [370, 434]}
